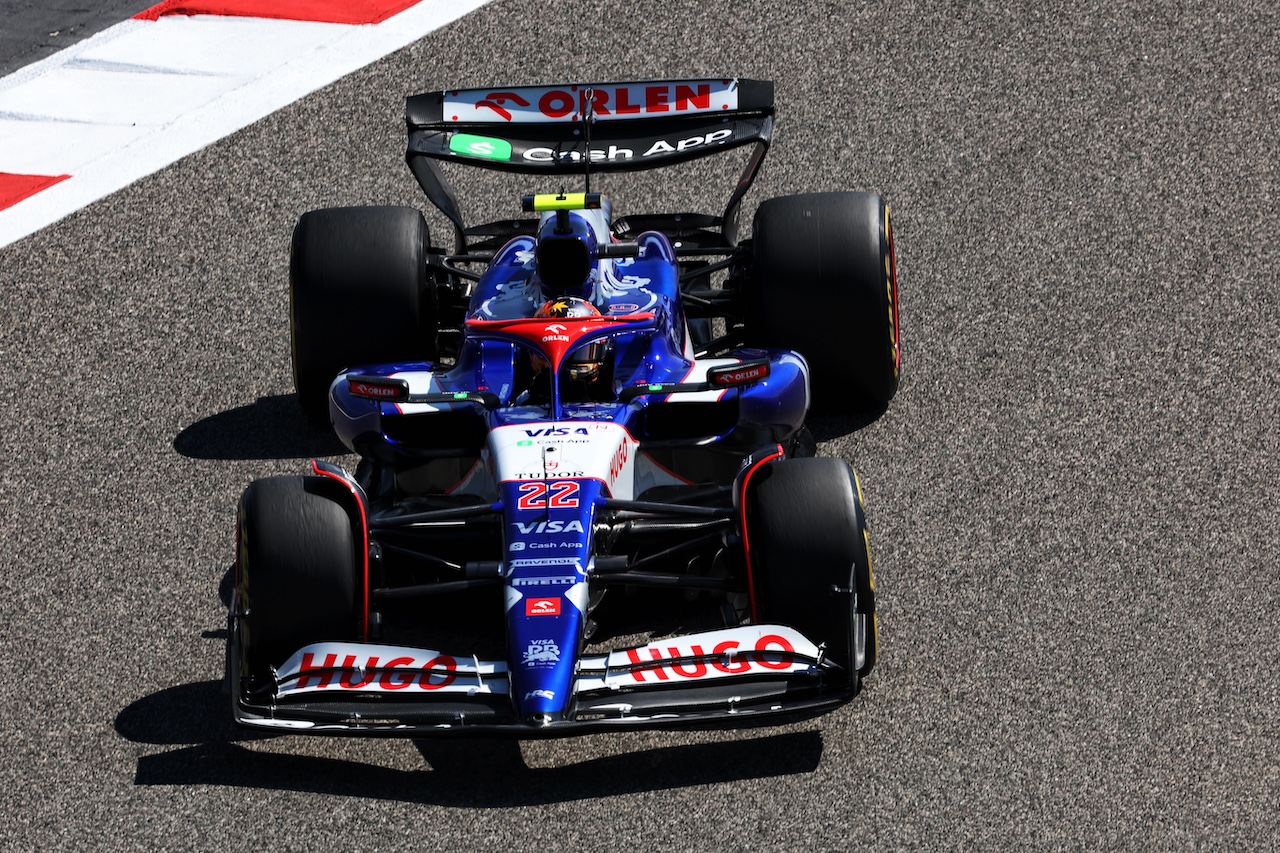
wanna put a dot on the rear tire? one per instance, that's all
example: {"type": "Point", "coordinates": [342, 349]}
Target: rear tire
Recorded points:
{"type": "Point", "coordinates": [295, 570]}
{"type": "Point", "coordinates": [811, 559]}
{"type": "Point", "coordinates": [825, 285]}
{"type": "Point", "coordinates": [358, 295]}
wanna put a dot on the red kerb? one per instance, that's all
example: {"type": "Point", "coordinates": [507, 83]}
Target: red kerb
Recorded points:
{"type": "Point", "coordinates": [15, 188]}
{"type": "Point", "coordinates": [319, 11]}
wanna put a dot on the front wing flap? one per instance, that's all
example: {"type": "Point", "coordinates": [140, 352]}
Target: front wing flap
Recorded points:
{"type": "Point", "coordinates": [733, 677]}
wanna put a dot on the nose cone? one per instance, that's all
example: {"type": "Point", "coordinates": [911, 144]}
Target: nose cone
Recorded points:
{"type": "Point", "coordinates": [548, 543]}
{"type": "Point", "coordinates": [543, 649]}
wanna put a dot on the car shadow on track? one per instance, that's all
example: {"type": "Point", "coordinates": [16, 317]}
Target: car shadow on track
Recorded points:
{"type": "Point", "coordinates": [473, 772]}
{"type": "Point", "coordinates": [826, 427]}
{"type": "Point", "coordinates": [271, 428]}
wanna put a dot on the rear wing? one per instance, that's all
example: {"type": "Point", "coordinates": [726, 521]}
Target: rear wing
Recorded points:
{"type": "Point", "coordinates": [587, 127]}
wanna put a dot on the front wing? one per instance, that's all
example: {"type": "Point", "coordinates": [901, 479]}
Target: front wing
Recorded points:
{"type": "Point", "coordinates": [733, 677]}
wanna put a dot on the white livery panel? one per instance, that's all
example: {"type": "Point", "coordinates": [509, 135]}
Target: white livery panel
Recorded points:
{"type": "Point", "coordinates": [566, 450]}
{"type": "Point", "coordinates": [749, 650]}
{"type": "Point", "coordinates": [351, 667]}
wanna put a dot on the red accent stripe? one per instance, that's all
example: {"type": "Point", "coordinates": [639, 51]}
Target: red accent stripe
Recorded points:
{"type": "Point", "coordinates": [15, 188]}
{"type": "Point", "coordinates": [319, 11]}
{"type": "Point", "coordinates": [364, 550]}
{"type": "Point", "coordinates": [742, 520]}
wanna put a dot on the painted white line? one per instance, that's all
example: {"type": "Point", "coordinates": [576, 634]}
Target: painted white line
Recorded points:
{"type": "Point", "coordinates": [141, 95]}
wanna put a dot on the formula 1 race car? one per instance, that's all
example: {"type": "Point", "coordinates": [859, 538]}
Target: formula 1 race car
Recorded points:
{"type": "Point", "coordinates": [586, 497]}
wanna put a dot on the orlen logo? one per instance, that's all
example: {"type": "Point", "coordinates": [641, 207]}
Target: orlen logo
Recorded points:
{"type": "Point", "coordinates": [741, 377]}
{"type": "Point", "coordinates": [497, 101]}
{"type": "Point", "coordinates": [554, 332]}
{"type": "Point", "coordinates": [744, 374]}
{"type": "Point", "coordinates": [542, 607]}
{"type": "Point", "coordinates": [382, 388]}
{"type": "Point", "coordinates": [537, 104]}
{"type": "Point", "coordinates": [365, 389]}
{"type": "Point", "coordinates": [725, 658]}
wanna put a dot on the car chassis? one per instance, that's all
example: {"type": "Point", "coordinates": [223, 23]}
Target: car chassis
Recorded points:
{"type": "Point", "coordinates": [488, 479]}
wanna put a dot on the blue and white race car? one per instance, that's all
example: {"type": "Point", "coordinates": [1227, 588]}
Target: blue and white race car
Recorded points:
{"type": "Point", "coordinates": [586, 497]}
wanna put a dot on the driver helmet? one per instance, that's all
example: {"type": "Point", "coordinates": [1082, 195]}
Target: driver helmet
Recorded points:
{"type": "Point", "coordinates": [585, 363]}
{"type": "Point", "coordinates": [565, 254]}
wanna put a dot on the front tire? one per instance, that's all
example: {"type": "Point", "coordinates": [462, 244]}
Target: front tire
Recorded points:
{"type": "Point", "coordinates": [811, 559]}
{"type": "Point", "coordinates": [295, 570]}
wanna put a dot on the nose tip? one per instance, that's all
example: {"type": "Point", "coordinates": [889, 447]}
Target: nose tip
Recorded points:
{"type": "Point", "coordinates": [541, 721]}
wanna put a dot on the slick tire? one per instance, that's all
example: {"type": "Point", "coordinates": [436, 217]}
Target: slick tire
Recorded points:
{"type": "Point", "coordinates": [825, 284]}
{"type": "Point", "coordinates": [295, 569]}
{"type": "Point", "coordinates": [358, 295]}
{"type": "Point", "coordinates": [811, 558]}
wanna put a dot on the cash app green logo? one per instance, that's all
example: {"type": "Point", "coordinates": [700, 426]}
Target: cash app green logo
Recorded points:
{"type": "Point", "coordinates": [485, 147]}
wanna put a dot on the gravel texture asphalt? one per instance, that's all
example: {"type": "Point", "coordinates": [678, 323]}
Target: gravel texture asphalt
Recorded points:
{"type": "Point", "coordinates": [1073, 497]}
{"type": "Point", "coordinates": [35, 29]}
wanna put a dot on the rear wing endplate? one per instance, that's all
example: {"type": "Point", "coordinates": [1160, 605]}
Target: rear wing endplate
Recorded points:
{"type": "Point", "coordinates": [600, 127]}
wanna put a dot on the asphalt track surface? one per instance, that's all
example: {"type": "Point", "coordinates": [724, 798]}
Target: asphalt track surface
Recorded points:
{"type": "Point", "coordinates": [35, 29]}
{"type": "Point", "coordinates": [1073, 496]}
